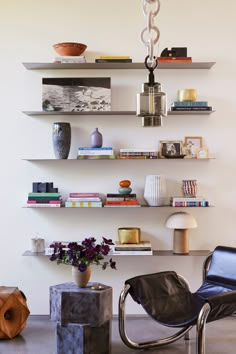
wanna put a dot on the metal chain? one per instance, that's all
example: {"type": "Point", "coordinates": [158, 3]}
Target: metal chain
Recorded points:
{"type": "Point", "coordinates": [150, 32]}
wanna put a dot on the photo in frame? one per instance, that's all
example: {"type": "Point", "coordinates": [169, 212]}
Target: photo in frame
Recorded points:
{"type": "Point", "coordinates": [73, 94]}
{"type": "Point", "coordinates": [171, 149]}
{"type": "Point", "coordinates": [191, 145]}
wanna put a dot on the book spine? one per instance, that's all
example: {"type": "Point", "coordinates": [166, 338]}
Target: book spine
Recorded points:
{"type": "Point", "coordinates": [92, 152]}
{"type": "Point", "coordinates": [109, 195]}
{"type": "Point", "coordinates": [123, 202]}
{"type": "Point", "coordinates": [114, 57]}
{"type": "Point", "coordinates": [44, 199]}
{"type": "Point", "coordinates": [113, 60]}
{"type": "Point", "coordinates": [208, 108]}
{"type": "Point", "coordinates": [81, 195]}
{"type": "Point", "coordinates": [122, 206]}
{"type": "Point", "coordinates": [191, 204]}
{"type": "Point", "coordinates": [131, 253]}
{"type": "Point", "coordinates": [190, 103]}
{"type": "Point", "coordinates": [95, 149]}
{"type": "Point", "coordinates": [96, 157]}
{"type": "Point", "coordinates": [138, 150]}
{"type": "Point", "coordinates": [132, 249]}
{"type": "Point", "coordinates": [83, 204]}
{"type": "Point", "coordinates": [84, 199]}
{"type": "Point", "coordinates": [43, 194]}
{"type": "Point", "coordinates": [43, 202]}
{"type": "Point", "coordinates": [141, 157]}
{"type": "Point", "coordinates": [43, 205]}
{"type": "Point", "coordinates": [119, 199]}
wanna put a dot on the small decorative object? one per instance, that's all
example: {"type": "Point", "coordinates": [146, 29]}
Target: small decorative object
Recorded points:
{"type": "Point", "coordinates": [14, 312]}
{"type": "Point", "coordinates": [96, 139]}
{"type": "Point", "coordinates": [181, 222]}
{"type": "Point", "coordinates": [125, 187]}
{"type": "Point", "coordinates": [129, 234]}
{"type": "Point", "coordinates": [192, 143]}
{"type": "Point", "coordinates": [61, 139]}
{"type": "Point", "coordinates": [155, 190]}
{"type": "Point", "coordinates": [70, 48]}
{"type": "Point", "coordinates": [171, 149]}
{"type": "Point", "coordinates": [81, 255]}
{"type": "Point", "coordinates": [37, 245]}
{"type": "Point", "coordinates": [202, 153]}
{"type": "Point", "coordinates": [187, 95]}
{"type": "Point", "coordinates": [44, 187]}
{"type": "Point", "coordinates": [189, 187]}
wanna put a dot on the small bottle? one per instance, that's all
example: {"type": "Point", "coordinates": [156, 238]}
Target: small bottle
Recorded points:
{"type": "Point", "coordinates": [96, 139]}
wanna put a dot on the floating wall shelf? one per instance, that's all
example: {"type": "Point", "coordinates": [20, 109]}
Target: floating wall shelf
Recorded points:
{"type": "Point", "coordinates": [109, 113]}
{"type": "Point", "coordinates": [97, 66]}
{"type": "Point", "coordinates": [155, 253]}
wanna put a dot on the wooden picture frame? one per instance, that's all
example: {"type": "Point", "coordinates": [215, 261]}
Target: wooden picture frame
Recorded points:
{"type": "Point", "coordinates": [202, 153]}
{"type": "Point", "coordinates": [191, 144]}
{"type": "Point", "coordinates": [171, 149]}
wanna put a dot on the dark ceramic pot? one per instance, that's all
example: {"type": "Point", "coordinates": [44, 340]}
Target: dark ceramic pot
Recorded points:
{"type": "Point", "coordinates": [61, 136]}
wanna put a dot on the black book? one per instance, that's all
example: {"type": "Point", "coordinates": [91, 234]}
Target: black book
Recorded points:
{"type": "Point", "coordinates": [113, 195]}
{"type": "Point", "coordinates": [113, 60]}
{"type": "Point", "coordinates": [200, 108]}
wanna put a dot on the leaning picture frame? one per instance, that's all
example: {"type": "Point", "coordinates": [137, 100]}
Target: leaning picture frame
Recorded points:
{"type": "Point", "coordinates": [171, 149]}
{"type": "Point", "coordinates": [191, 145]}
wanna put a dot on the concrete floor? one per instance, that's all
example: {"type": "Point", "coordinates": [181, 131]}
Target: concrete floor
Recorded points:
{"type": "Point", "coordinates": [38, 337]}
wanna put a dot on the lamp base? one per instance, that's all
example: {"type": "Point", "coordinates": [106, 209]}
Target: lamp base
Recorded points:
{"type": "Point", "coordinates": [181, 241]}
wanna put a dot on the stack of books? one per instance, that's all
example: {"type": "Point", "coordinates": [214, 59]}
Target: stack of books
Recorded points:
{"type": "Point", "coordinates": [83, 200]}
{"type": "Point", "coordinates": [70, 59]}
{"type": "Point", "coordinates": [121, 200]}
{"type": "Point", "coordinates": [190, 106]}
{"type": "Point", "coordinates": [95, 153]}
{"type": "Point", "coordinates": [44, 200]}
{"type": "Point", "coordinates": [189, 202]}
{"type": "Point", "coordinates": [137, 153]}
{"type": "Point", "coordinates": [114, 59]}
{"type": "Point", "coordinates": [174, 59]}
{"type": "Point", "coordinates": [143, 248]}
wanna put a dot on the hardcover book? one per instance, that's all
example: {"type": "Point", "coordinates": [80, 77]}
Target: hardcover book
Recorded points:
{"type": "Point", "coordinates": [189, 103]}
{"type": "Point", "coordinates": [83, 204]}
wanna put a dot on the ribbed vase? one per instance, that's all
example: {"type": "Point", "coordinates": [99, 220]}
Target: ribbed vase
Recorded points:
{"type": "Point", "coordinates": [61, 137]}
{"type": "Point", "coordinates": [155, 190]}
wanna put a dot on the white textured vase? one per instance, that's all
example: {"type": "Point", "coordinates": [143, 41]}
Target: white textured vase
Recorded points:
{"type": "Point", "coordinates": [155, 190]}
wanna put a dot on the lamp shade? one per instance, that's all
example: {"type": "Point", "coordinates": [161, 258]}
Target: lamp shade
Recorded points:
{"type": "Point", "coordinates": [181, 220]}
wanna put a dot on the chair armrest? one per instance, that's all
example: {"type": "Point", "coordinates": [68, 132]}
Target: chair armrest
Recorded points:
{"type": "Point", "coordinates": [223, 298]}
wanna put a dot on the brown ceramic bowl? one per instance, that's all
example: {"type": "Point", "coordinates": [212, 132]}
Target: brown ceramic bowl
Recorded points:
{"type": "Point", "coordinates": [69, 48]}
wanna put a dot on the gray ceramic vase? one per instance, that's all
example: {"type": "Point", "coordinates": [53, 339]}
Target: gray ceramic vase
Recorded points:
{"type": "Point", "coordinates": [61, 136]}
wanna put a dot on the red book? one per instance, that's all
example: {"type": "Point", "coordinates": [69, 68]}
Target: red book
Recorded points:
{"type": "Point", "coordinates": [174, 59]}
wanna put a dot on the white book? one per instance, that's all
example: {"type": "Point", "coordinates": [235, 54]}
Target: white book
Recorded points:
{"type": "Point", "coordinates": [131, 253]}
{"type": "Point", "coordinates": [43, 205]}
{"type": "Point", "coordinates": [138, 150]}
{"type": "Point", "coordinates": [84, 199]}
{"type": "Point", "coordinates": [95, 152]}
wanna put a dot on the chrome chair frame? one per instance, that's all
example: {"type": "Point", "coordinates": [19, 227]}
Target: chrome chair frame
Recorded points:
{"type": "Point", "coordinates": [183, 332]}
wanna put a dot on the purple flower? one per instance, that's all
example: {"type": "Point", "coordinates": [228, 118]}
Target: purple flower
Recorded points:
{"type": "Point", "coordinates": [82, 254]}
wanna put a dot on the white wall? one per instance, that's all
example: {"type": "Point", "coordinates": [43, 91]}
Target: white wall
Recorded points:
{"type": "Point", "coordinates": [28, 30]}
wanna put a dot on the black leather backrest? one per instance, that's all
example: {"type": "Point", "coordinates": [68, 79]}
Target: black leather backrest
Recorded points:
{"type": "Point", "coordinates": [223, 266]}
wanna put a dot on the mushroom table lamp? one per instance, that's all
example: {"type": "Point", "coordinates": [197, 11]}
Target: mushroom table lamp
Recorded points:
{"type": "Point", "coordinates": [181, 222]}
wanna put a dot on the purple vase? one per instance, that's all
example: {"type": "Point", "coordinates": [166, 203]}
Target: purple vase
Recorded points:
{"type": "Point", "coordinates": [96, 139]}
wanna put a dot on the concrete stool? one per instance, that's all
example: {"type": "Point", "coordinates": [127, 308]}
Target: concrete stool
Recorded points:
{"type": "Point", "coordinates": [13, 312]}
{"type": "Point", "coordinates": [83, 318]}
